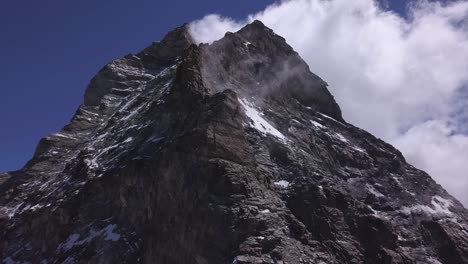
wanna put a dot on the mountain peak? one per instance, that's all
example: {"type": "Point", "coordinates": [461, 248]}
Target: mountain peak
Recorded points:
{"type": "Point", "coordinates": [257, 26]}
{"type": "Point", "coordinates": [157, 56]}
{"type": "Point", "coordinates": [232, 152]}
{"type": "Point", "coordinates": [179, 35]}
{"type": "Point", "coordinates": [261, 63]}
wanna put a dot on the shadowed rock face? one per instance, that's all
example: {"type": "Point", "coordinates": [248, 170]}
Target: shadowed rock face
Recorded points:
{"type": "Point", "coordinates": [232, 152]}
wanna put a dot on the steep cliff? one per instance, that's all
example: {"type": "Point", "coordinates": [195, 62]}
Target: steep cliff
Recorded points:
{"type": "Point", "coordinates": [232, 152]}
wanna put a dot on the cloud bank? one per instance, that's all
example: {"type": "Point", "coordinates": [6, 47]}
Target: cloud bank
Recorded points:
{"type": "Point", "coordinates": [402, 79]}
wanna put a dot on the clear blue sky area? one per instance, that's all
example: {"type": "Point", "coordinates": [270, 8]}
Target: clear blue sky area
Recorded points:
{"type": "Point", "coordinates": [50, 50]}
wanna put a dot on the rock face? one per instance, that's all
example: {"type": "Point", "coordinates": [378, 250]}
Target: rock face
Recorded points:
{"type": "Point", "coordinates": [232, 152]}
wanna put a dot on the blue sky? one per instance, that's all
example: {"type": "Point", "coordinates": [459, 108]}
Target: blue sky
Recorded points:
{"type": "Point", "coordinates": [51, 49]}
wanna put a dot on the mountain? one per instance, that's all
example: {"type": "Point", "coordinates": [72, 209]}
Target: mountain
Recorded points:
{"type": "Point", "coordinates": [232, 152]}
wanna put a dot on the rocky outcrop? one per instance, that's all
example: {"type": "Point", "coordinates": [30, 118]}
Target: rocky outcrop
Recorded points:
{"type": "Point", "coordinates": [232, 152]}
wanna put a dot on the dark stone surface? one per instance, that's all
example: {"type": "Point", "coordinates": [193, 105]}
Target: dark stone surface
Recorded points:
{"type": "Point", "coordinates": [167, 162]}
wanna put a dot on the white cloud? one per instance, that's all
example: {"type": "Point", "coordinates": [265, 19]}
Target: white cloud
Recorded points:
{"type": "Point", "coordinates": [398, 78]}
{"type": "Point", "coordinates": [213, 27]}
{"type": "Point", "coordinates": [433, 146]}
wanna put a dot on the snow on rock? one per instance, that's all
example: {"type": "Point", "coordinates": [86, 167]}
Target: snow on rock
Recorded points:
{"type": "Point", "coordinates": [438, 207]}
{"type": "Point", "coordinates": [373, 210]}
{"type": "Point", "coordinates": [62, 135]}
{"type": "Point", "coordinates": [93, 163]}
{"type": "Point", "coordinates": [127, 140]}
{"type": "Point", "coordinates": [374, 191]}
{"type": "Point", "coordinates": [84, 111]}
{"type": "Point", "coordinates": [107, 233]}
{"type": "Point", "coordinates": [317, 124]}
{"type": "Point", "coordinates": [124, 70]}
{"type": "Point", "coordinates": [36, 207]}
{"type": "Point", "coordinates": [397, 181]}
{"type": "Point", "coordinates": [330, 118]}
{"type": "Point", "coordinates": [337, 135]}
{"type": "Point", "coordinates": [282, 184]}
{"type": "Point", "coordinates": [441, 205]}
{"type": "Point", "coordinates": [72, 240]}
{"type": "Point", "coordinates": [358, 149]}
{"type": "Point", "coordinates": [11, 211]}
{"type": "Point", "coordinates": [341, 137]}
{"type": "Point", "coordinates": [258, 122]}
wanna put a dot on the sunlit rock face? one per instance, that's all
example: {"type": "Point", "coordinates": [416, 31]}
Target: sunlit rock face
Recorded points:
{"type": "Point", "coordinates": [232, 152]}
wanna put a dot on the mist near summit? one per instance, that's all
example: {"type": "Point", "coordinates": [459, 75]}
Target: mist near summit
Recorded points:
{"type": "Point", "coordinates": [404, 79]}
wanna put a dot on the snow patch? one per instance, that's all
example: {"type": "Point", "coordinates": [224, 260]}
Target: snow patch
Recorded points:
{"type": "Point", "coordinates": [374, 191]}
{"type": "Point", "coordinates": [128, 140]}
{"type": "Point", "coordinates": [358, 149]}
{"type": "Point", "coordinates": [296, 121]}
{"type": "Point", "coordinates": [36, 207]}
{"type": "Point", "coordinates": [282, 184]}
{"type": "Point", "coordinates": [258, 122]}
{"type": "Point", "coordinates": [93, 162]}
{"type": "Point", "coordinates": [134, 112]}
{"type": "Point", "coordinates": [341, 137]}
{"type": "Point", "coordinates": [88, 112]}
{"type": "Point", "coordinates": [62, 135]}
{"type": "Point", "coordinates": [330, 118]}
{"type": "Point", "coordinates": [128, 70]}
{"type": "Point", "coordinates": [107, 233]}
{"type": "Point", "coordinates": [438, 207]}
{"type": "Point", "coordinates": [122, 90]}
{"type": "Point", "coordinates": [11, 211]}
{"type": "Point", "coordinates": [72, 240]}
{"type": "Point", "coordinates": [317, 124]}
{"type": "Point", "coordinates": [397, 181]}
{"type": "Point", "coordinates": [373, 210]}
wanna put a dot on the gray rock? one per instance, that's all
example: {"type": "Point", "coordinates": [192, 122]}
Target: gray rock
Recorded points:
{"type": "Point", "coordinates": [232, 152]}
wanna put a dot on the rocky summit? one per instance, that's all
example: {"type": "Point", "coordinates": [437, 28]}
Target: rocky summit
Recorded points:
{"type": "Point", "coordinates": [230, 152]}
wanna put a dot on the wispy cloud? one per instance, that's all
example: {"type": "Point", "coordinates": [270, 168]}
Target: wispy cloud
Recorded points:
{"type": "Point", "coordinates": [400, 78]}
